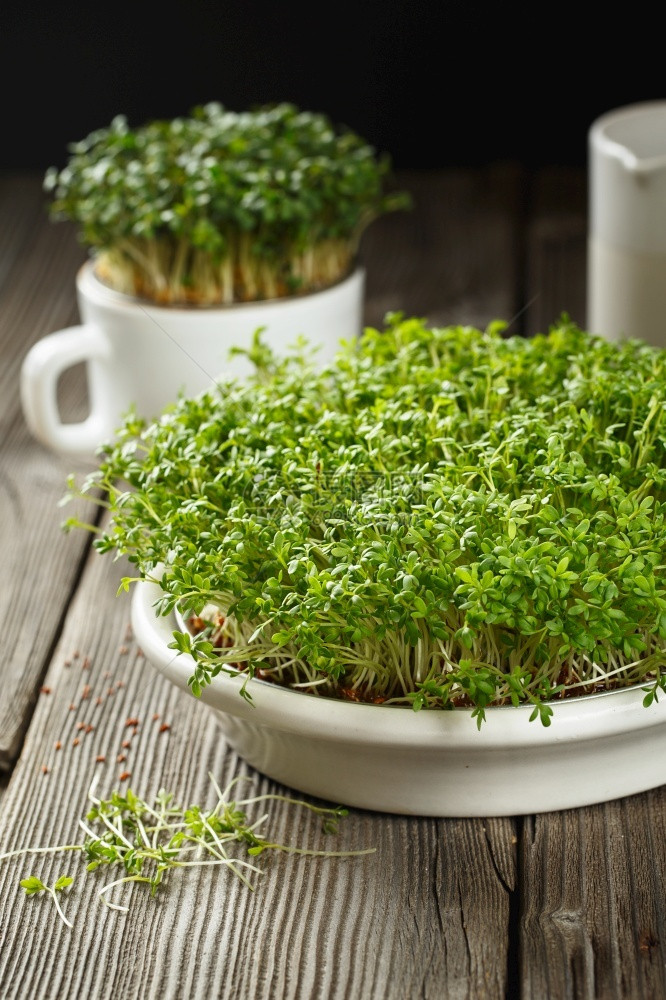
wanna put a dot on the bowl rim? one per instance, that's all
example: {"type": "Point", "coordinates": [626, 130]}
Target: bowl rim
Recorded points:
{"type": "Point", "coordinates": [586, 717]}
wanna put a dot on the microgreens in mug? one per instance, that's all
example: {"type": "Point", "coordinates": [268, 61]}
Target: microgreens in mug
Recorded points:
{"type": "Point", "coordinates": [443, 517]}
{"type": "Point", "coordinates": [220, 206]}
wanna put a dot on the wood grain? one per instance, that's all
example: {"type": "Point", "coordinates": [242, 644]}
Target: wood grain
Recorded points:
{"type": "Point", "coordinates": [37, 295]}
{"type": "Point", "coordinates": [424, 916]}
{"type": "Point", "coordinates": [428, 915]}
{"type": "Point", "coordinates": [593, 923]}
{"type": "Point", "coordinates": [556, 249]}
{"type": "Point", "coordinates": [454, 257]}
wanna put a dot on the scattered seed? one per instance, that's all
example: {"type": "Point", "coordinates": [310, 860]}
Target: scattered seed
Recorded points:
{"type": "Point", "coordinates": [156, 716]}
{"type": "Point", "coordinates": [132, 722]}
{"type": "Point", "coordinates": [107, 674]}
{"type": "Point", "coordinates": [98, 701]}
{"type": "Point", "coordinates": [140, 653]}
{"type": "Point", "coordinates": [120, 684]}
{"type": "Point", "coordinates": [45, 690]}
{"type": "Point", "coordinates": [58, 745]}
{"type": "Point", "coordinates": [86, 664]}
{"type": "Point", "coordinates": [45, 769]}
{"type": "Point", "coordinates": [121, 757]}
{"type": "Point", "coordinates": [76, 654]}
{"type": "Point", "coordinates": [123, 650]}
{"type": "Point", "coordinates": [111, 691]}
{"type": "Point", "coordinates": [164, 727]}
{"type": "Point", "coordinates": [100, 759]}
{"type": "Point", "coordinates": [86, 691]}
{"type": "Point", "coordinates": [80, 725]}
{"type": "Point", "coordinates": [125, 744]}
{"type": "Point", "coordinates": [124, 776]}
{"type": "Point", "coordinates": [76, 741]}
{"type": "Point", "coordinates": [89, 728]}
{"type": "Point", "coordinates": [68, 663]}
{"type": "Point", "coordinates": [72, 708]}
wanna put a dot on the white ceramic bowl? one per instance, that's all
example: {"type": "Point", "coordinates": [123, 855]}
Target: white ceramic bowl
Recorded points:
{"type": "Point", "coordinates": [430, 763]}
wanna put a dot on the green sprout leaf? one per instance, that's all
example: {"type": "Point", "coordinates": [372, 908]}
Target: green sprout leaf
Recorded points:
{"type": "Point", "coordinates": [33, 885]}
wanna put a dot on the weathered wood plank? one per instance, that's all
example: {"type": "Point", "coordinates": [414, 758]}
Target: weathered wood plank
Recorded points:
{"type": "Point", "coordinates": [428, 915]}
{"type": "Point", "coordinates": [593, 923]}
{"type": "Point", "coordinates": [453, 258]}
{"type": "Point", "coordinates": [424, 916]}
{"type": "Point", "coordinates": [556, 258]}
{"type": "Point", "coordinates": [37, 295]}
{"type": "Point", "coordinates": [41, 567]}
{"type": "Point", "coordinates": [592, 883]}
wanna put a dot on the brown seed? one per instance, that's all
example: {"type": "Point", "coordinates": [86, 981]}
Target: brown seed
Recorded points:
{"type": "Point", "coordinates": [80, 725]}
{"type": "Point", "coordinates": [121, 757]}
{"type": "Point", "coordinates": [89, 728]}
{"type": "Point", "coordinates": [123, 650]}
{"type": "Point", "coordinates": [68, 663]}
{"type": "Point", "coordinates": [120, 684]}
{"type": "Point", "coordinates": [86, 664]}
{"type": "Point", "coordinates": [132, 722]}
{"type": "Point", "coordinates": [75, 654]}
{"type": "Point", "coordinates": [98, 701]}
{"type": "Point", "coordinates": [45, 769]}
{"type": "Point", "coordinates": [45, 690]}
{"type": "Point", "coordinates": [164, 727]}
{"type": "Point", "coordinates": [58, 745]}
{"type": "Point", "coordinates": [100, 759]}
{"type": "Point", "coordinates": [125, 744]}
{"type": "Point", "coordinates": [156, 716]}
{"type": "Point", "coordinates": [124, 776]}
{"type": "Point", "coordinates": [140, 653]}
{"type": "Point", "coordinates": [110, 691]}
{"type": "Point", "coordinates": [107, 674]}
{"type": "Point", "coordinates": [76, 741]}
{"type": "Point", "coordinates": [72, 708]}
{"type": "Point", "coordinates": [86, 691]}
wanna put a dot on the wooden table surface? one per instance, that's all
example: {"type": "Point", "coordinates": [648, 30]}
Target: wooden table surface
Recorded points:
{"type": "Point", "coordinates": [550, 906]}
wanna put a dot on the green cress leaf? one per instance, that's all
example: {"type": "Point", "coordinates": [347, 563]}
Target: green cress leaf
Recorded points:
{"type": "Point", "coordinates": [33, 885]}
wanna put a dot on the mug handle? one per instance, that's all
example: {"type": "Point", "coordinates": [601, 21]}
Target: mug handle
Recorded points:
{"type": "Point", "coordinates": [41, 368]}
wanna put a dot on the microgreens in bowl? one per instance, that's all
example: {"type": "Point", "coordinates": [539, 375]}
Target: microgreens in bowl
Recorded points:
{"type": "Point", "coordinates": [222, 206]}
{"type": "Point", "coordinates": [443, 517]}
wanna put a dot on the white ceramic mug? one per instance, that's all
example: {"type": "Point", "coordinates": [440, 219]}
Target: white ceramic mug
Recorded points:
{"type": "Point", "coordinates": [143, 355]}
{"type": "Point", "coordinates": [626, 271]}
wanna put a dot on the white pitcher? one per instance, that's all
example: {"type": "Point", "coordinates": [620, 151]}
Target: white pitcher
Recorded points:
{"type": "Point", "coordinates": [626, 272]}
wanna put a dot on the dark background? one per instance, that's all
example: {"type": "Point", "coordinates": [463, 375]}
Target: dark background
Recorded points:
{"type": "Point", "coordinates": [432, 84]}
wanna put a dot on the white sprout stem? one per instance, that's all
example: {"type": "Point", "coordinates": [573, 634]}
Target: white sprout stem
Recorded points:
{"type": "Point", "coordinates": [258, 822]}
{"type": "Point", "coordinates": [91, 789]}
{"type": "Point", "coordinates": [216, 839]}
{"type": "Point", "coordinates": [229, 862]}
{"type": "Point", "coordinates": [40, 850]}
{"type": "Point", "coordinates": [273, 796]}
{"type": "Point", "coordinates": [115, 831]}
{"type": "Point", "coordinates": [62, 915]}
{"type": "Point", "coordinates": [120, 881]}
{"type": "Point", "coordinates": [288, 849]}
{"type": "Point", "coordinates": [86, 829]}
{"type": "Point", "coordinates": [143, 833]}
